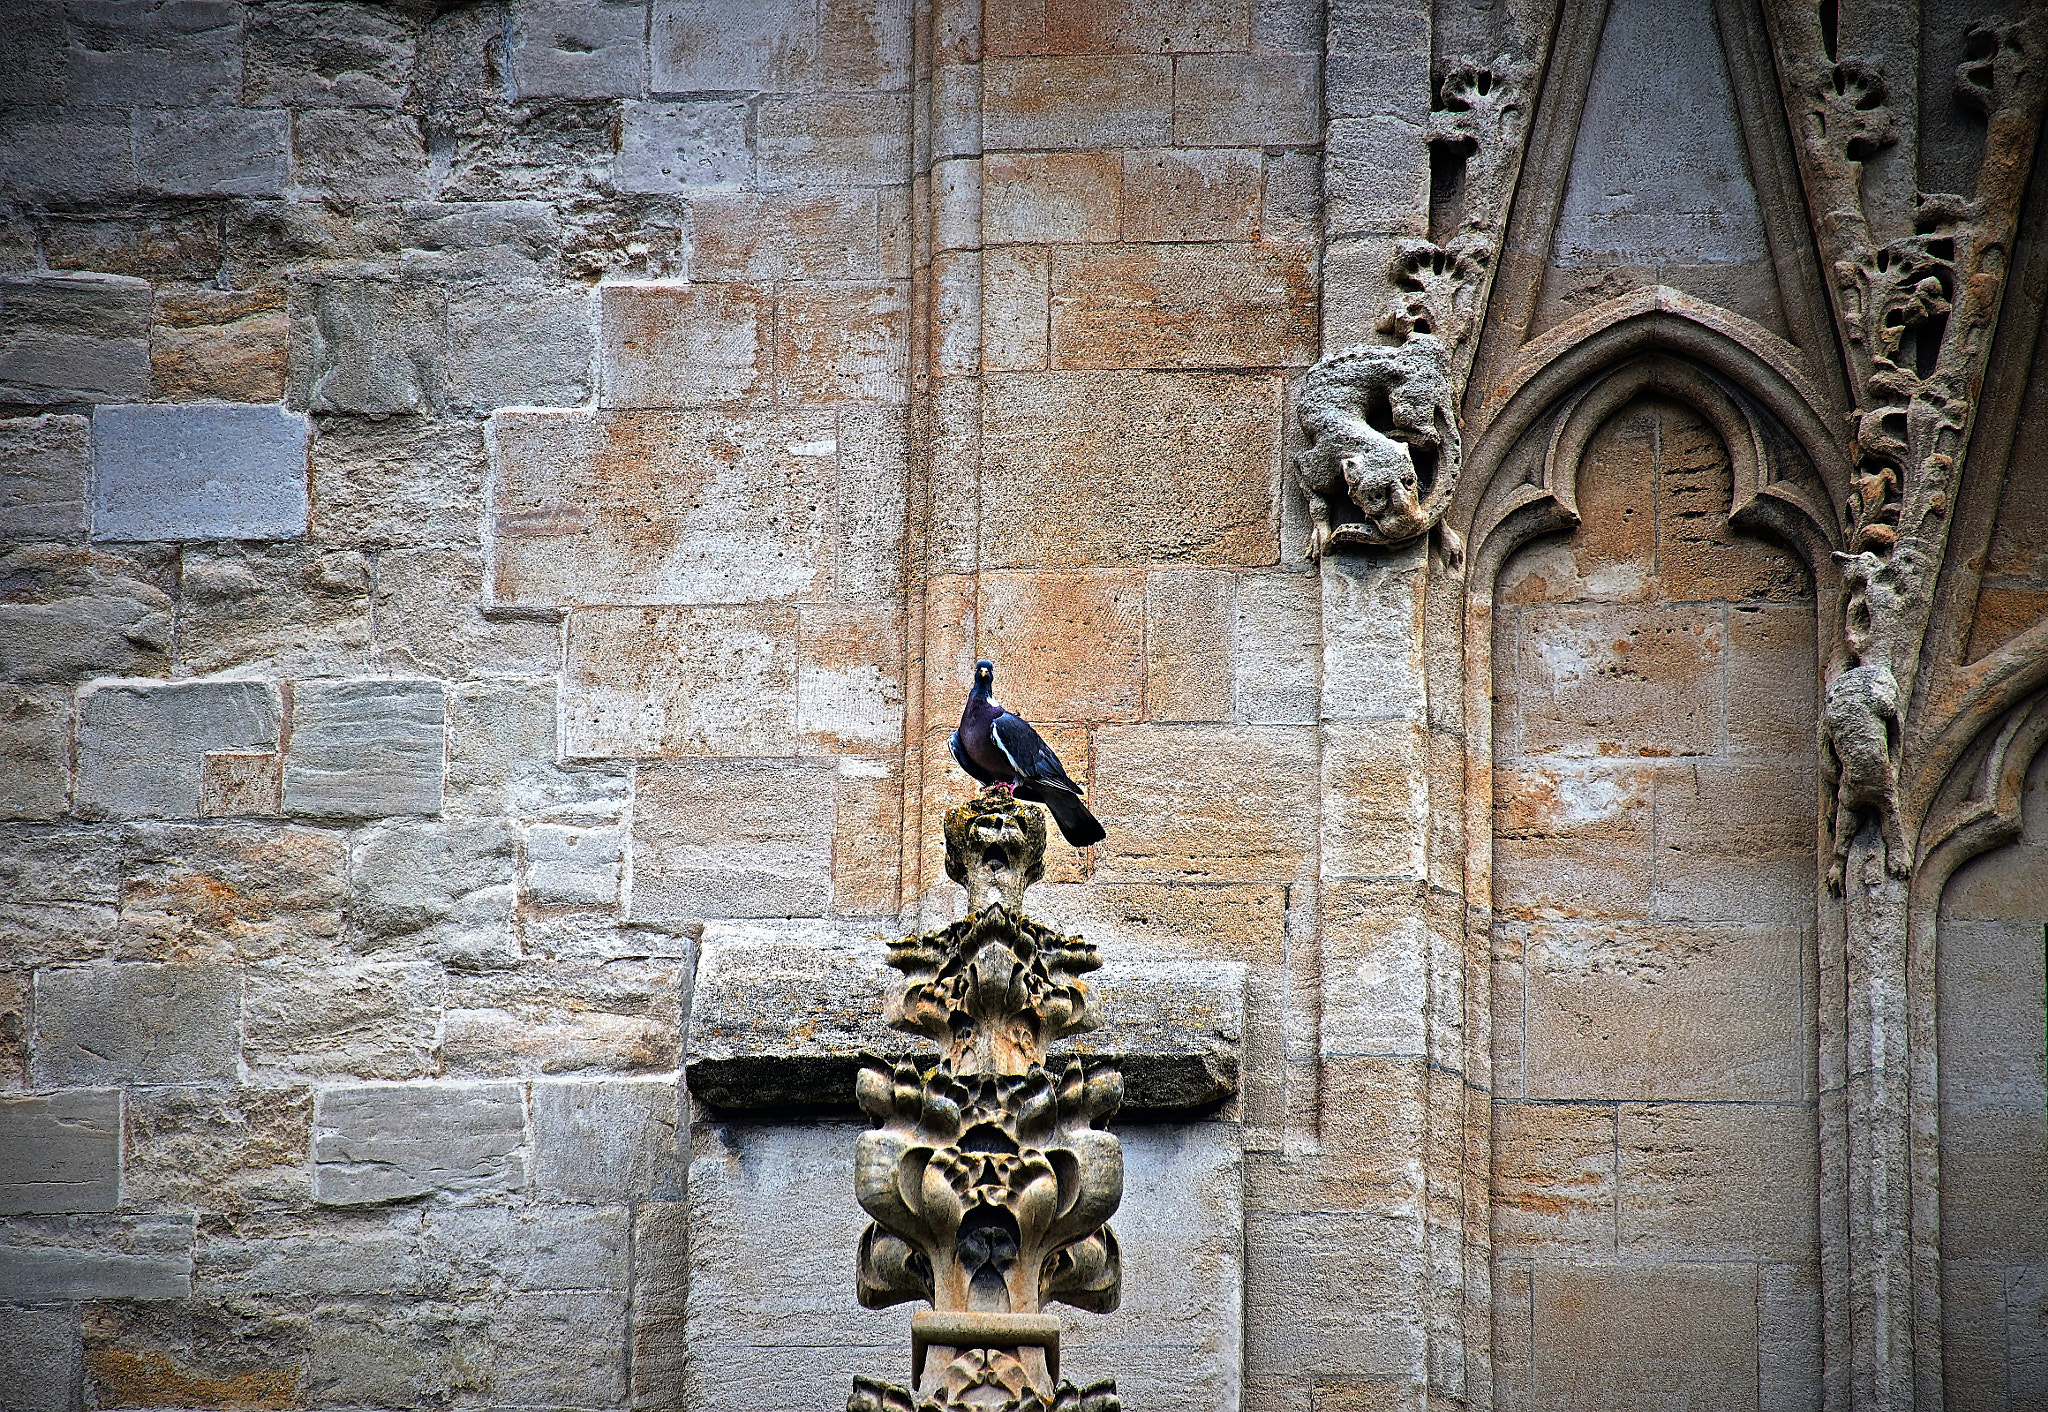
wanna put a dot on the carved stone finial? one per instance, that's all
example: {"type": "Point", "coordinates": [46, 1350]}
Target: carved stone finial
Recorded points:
{"type": "Point", "coordinates": [1383, 452]}
{"type": "Point", "coordinates": [989, 1176]}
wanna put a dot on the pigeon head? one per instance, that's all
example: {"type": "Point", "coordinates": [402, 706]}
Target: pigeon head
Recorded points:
{"type": "Point", "coordinates": [985, 675]}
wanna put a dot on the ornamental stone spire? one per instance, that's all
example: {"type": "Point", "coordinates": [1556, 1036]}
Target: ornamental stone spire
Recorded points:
{"type": "Point", "coordinates": [989, 1176]}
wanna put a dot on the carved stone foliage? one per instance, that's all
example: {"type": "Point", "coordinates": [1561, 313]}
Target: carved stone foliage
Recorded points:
{"type": "Point", "coordinates": [1917, 310]}
{"type": "Point", "coordinates": [989, 1177]}
{"type": "Point", "coordinates": [1383, 453]}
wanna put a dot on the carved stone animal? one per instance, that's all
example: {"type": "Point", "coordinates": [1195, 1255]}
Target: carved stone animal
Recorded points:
{"type": "Point", "coordinates": [1371, 414]}
{"type": "Point", "coordinates": [1859, 717]}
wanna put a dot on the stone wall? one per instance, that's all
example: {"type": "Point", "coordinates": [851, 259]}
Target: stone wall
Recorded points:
{"type": "Point", "coordinates": [499, 500]}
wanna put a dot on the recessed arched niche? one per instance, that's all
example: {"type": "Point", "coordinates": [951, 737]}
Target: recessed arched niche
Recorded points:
{"type": "Point", "coordinates": [1653, 886]}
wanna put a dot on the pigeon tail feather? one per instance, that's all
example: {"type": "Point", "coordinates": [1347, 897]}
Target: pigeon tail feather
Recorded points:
{"type": "Point", "coordinates": [1077, 826]}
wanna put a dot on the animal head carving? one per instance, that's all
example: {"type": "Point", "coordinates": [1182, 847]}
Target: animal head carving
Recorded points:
{"type": "Point", "coordinates": [1382, 458]}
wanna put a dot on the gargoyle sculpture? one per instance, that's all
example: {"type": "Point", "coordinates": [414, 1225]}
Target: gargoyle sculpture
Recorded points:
{"type": "Point", "coordinates": [1382, 458]}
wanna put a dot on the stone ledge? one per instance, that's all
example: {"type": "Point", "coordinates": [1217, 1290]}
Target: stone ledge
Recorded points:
{"type": "Point", "coordinates": [782, 1012]}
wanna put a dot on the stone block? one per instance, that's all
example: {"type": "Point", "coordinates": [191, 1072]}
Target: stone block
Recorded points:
{"type": "Point", "coordinates": [198, 472]}
{"type": "Point", "coordinates": [372, 1353]}
{"type": "Point", "coordinates": [43, 464]}
{"type": "Point", "coordinates": [1277, 648]}
{"type": "Point", "coordinates": [46, 1258]}
{"type": "Point", "coordinates": [1183, 306]}
{"type": "Point", "coordinates": [1139, 922]}
{"type": "Point", "coordinates": [1206, 803]}
{"type": "Point", "coordinates": [705, 46]}
{"type": "Point", "coordinates": [58, 889]}
{"type": "Point", "coordinates": [1331, 1288]}
{"type": "Point", "coordinates": [280, 609]}
{"type": "Point", "coordinates": [618, 1016]}
{"type": "Point", "coordinates": [849, 678]}
{"type": "Point", "coordinates": [1994, 1200]}
{"type": "Point", "coordinates": [867, 839]}
{"type": "Point", "coordinates": [701, 507]}
{"type": "Point", "coordinates": [1375, 177]}
{"type": "Point", "coordinates": [843, 343]}
{"type": "Point", "coordinates": [37, 75]}
{"type": "Point", "coordinates": [397, 1142]}
{"type": "Point", "coordinates": [685, 345]}
{"type": "Point", "coordinates": [1553, 1179]}
{"type": "Point", "coordinates": [571, 866]}
{"type": "Point", "coordinates": [1190, 620]}
{"type": "Point", "coordinates": [1637, 1332]}
{"type": "Point", "coordinates": [186, 53]}
{"type": "Point", "coordinates": [1771, 685]}
{"type": "Point", "coordinates": [481, 1250]}
{"type": "Point", "coordinates": [1379, 59]}
{"type": "Point", "coordinates": [142, 746]}
{"type": "Point", "coordinates": [429, 622]}
{"type": "Point", "coordinates": [61, 1152]}
{"type": "Point", "coordinates": [349, 155]}
{"type": "Point", "coordinates": [218, 344]}
{"type": "Point", "coordinates": [35, 739]}
{"type": "Point", "coordinates": [364, 749]}
{"type": "Point", "coordinates": [230, 890]}
{"type": "Point", "coordinates": [136, 1023]}
{"type": "Point", "coordinates": [1116, 27]}
{"type": "Point", "coordinates": [1083, 101]}
{"type": "Point", "coordinates": [732, 838]}
{"type": "Point", "coordinates": [219, 1149]}
{"type": "Point", "coordinates": [1622, 680]}
{"type": "Point", "coordinates": [683, 148]}
{"type": "Point", "coordinates": [1069, 645]}
{"type": "Point", "coordinates": [611, 1140]}
{"type": "Point", "coordinates": [561, 49]}
{"type": "Point", "coordinates": [223, 152]}
{"type": "Point", "coordinates": [501, 751]}
{"type": "Point", "coordinates": [1990, 985]}
{"type": "Point", "coordinates": [1248, 100]}
{"type": "Point", "coordinates": [1082, 469]}
{"type": "Point", "coordinates": [1062, 198]}
{"type": "Point", "coordinates": [523, 344]}
{"type": "Point", "coordinates": [1735, 841]}
{"type": "Point", "coordinates": [73, 338]}
{"type": "Point", "coordinates": [832, 139]}
{"type": "Point", "coordinates": [1178, 194]}
{"type": "Point", "coordinates": [872, 480]}
{"type": "Point", "coordinates": [442, 888]}
{"type": "Point", "coordinates": [1015, 285]}
{"type": "Point", "coordinates": [313, 56]}
{"type": "Point", "coordinates": [397, 482]}
{"type": "Point", "coordinates": [1717, 1181]}
{"type": "Point", "coordinates": [1670, 1011]}
{"type": "Point", "coordinates": [371, 346]}
{"type": "Point", "coordinates": [802, 235]}
{"type": "Point", "coordinates": [39, 1357]}
{"type": "Point", "coordinates": [680, 681]}
{"type": "Point", "coordinates": [304, 1021]}
{"type": "Point", "coordinates": [67, 154]}
{"type": "Point", "coordinates": [1573, 838]}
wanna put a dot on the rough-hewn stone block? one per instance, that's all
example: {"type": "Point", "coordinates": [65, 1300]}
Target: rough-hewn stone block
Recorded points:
{"type": "Point", "coordinates": [1064, 198]}
{"type": "Point", "coordinates": [39, 1362]}
{"type": "Point", "coordinates": [565, 49]}
{"type": "Point", "coordinates": [198, 472]}
{"type": "Point", "coordinates": [1376, 177]}
{"type": "Point", "coordinates": [226, 152]}
{"type": "Point", "coordinates": [597, 1016]}
{"type": "Point", "coordinates": [831, 235]}
{"type": "Point", "coordinates": [142, 746]}
{"type": "Point", "coordinates": [519, 344]}
{"type": "Point", "coordinates": [683, 147]}
{"type": "Point", "coordinates": [136, 1023]}
{"type": "Point", "coordinates": [833, 139]}
{"type": "Point", "coordinates": [1183, 306]}
{"type": "Point", "coordinates": [361, 749]}
{"type": "Point", "coordinates": [611, 1140]}
{"type": "Point", "coordinates": [1190, 620]}
{"type": "Point", "coordinates": [45, 1258]}
{"type": "Point", "coordinates": [1104, 468]}
{"type": "Point", "coordinates": [1246, 100]}
{"type": "Point", "coordinates": [35, 739]}
{"type": "Point", "coordinates": [1175, 194]}
{"type": "Point", "coordinates": [1083, 101]}
{"type": "Point", "coordinates": [680, 681]}
{"type": "Point", "coordinates": [684, 345]}
{"type": "Point", "coordinates": [325, 1021]}
{"type": "Point", "coordinates": [1237, 922]}
{"type": "Point", "coordinates": [372, 346]}
{"type": "Point", "coordinates": [350, 155]}
{"type": "Point", "coordinates": [43, 464]}
{"type": "Point", "coordinates": [61, 1152]}
{"type": "Point", "coordinates": [662, 507]}
{"type": "Point", "coordinates": [843, 343]}
{"type": "Point", "coordinates": [1277, 651]}
{"type": "Point", "coordinates": [445, 888]}
{"type": "Point", "coordinates": [706, 46]}
{"type": "Point", "coordinates": [283, 609]}
{"type": "Point", "coordinates": [221, 344]}
{"type": "Point", "coordinates": [394, 1142]}
{"type": "Point", "coordinates": [230, 890]}
{"type": "Point", "coordinates": [849, 678]}
{"type": "Point", "coordinates": [73, 338]}
{"type": "Point", "coordinates": [1222, 804]}
{"type": "Point", "coordinates": [1717, 1181]}
{"type": "Point", "coordinates": [1015, 284]}
{"type": "Point", "coordinates": [1636, 1332]}
{"type": "Point", "coordinates": [219, 1148]}
{"type": "Point", "coordinates": [733, 838]}
{"type": "Point", "coordinates": [566, 865]}
{"type": "Point", "coordinates": [1553, 1178]}
{"type": "Point", "coordinates": [313, 56]}
{"type": "Point", "coordinates": [397, 482]}
{"type": "Point", "coordinates": [187, 53]}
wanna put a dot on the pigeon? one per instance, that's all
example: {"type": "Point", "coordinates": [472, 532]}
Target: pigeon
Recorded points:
{"type": "Point", "coordinates": [997, 747]}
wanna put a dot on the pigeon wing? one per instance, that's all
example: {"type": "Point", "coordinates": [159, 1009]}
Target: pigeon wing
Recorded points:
{"type": "Point", "coordinates": [1028, 753]}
